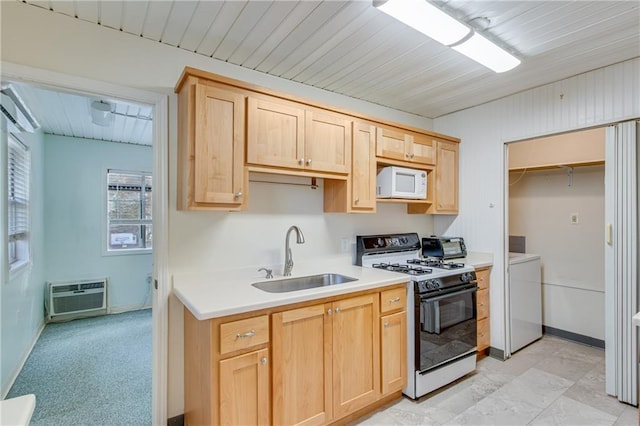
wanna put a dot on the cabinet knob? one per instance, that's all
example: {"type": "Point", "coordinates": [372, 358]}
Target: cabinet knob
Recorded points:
{"type": "Point", "coordinates": [411, 155]}
{"type": "Point", "coordinates": [357, 200]}
{"type": "Point", "coordinates": [386, 325]}
{"type": "Point", "coordinates": [337, 310]}
{"type": "Point", "coordinates": [329, 312]}
{"type": "Point", "coordinates": [264, 360]}
{"type": "Point", "coordinates": [238, 194]}
{"type": "Point", "coordinates": [301, 161]}
{"type": "Point", "coordinates": [406, 155]}
{"type": "Point", "coordinates": [482, 304]}
{"type": "Point", "coordinates": [309, 162]}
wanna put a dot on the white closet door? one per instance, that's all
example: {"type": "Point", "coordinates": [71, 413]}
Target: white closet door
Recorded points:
{"type": "Point", "coordinates": [621, 260]}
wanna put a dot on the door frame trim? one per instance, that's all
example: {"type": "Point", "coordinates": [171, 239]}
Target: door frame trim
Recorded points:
{"type": "Point", "coordinates": [160, 102]}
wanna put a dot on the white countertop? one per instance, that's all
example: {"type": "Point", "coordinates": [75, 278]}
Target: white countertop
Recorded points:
{"type": "Point", "coordinates": [479, 260]}
{"type": "Point", "coordinates": [214, 294]}
{"type": "Point", "coordinates": [636, 319]}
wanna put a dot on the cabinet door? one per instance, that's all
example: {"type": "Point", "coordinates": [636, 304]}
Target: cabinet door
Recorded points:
{"type": "Point", "coordinates": [327, 145]}
{"type": "Point", "coordinates": [446, 197]}
{"type": "Point", "coordinates": [356, 353]}
{"type": "Point", "coordinates": [244, 389]}
{"type": "Point", "coordinates": [392, 144]}
{"type": "Point", "coordinates": [393, 351]}
{"type": "Point", "coordinates": [275, 133]}
{"type": "Point", "coordinates": [422, 150]}
{"type": "Point", "coordinates": [363, 171]}
{"type": "Point", "coordinates": [219, 146]}
{"type": "Point", "coordinates": [301, 345]}
{"type": "Point", "coordinates": [484, 337]}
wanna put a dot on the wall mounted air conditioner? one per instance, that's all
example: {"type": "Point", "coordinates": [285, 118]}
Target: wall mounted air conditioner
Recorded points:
{"type": "Point", "coordinates": [76, 298]}
{"type": "Point", "coordinates": [17, 115]}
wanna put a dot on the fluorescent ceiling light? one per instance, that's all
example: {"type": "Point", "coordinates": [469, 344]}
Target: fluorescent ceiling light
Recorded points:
{"type": "Point", "coordinates": [426, 18]}
{"type": "Point", "coordinates": [488, 54]}
{"type": "Point", "coordinates": [433, 22]}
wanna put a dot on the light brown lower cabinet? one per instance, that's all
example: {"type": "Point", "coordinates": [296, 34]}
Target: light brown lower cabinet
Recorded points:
{"type": "Point", "coordinates": [393, 329]}
{"type": "Point", "coordinates": [313, 364]}
{"type": "Point", "coordinates": [325, 360]}
{"type": "Point", "coordinates": [483, 310]}
{"type": "Point", "coordinates": [244, 389]}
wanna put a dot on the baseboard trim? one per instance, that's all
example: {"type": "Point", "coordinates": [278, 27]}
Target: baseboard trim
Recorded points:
{"type": "Point", "coordinates": [575, 337]}
{"type": "Point", "coordinates": [6, 387]}
{"type": "Point", "coordinates": [176, 421]}
{"type": "Point", "coordinates": [496, 353]}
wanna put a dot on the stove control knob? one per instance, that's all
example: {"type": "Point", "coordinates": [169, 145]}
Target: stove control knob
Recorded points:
{"type": "Point", "coordinates": [432, 284]}
{"type": "Point", "coordinates": [466, 277]}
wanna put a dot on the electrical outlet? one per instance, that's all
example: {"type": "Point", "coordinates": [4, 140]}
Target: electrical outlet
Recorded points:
{"type": "Point", "coordinates": [344, 245]}
{"type": "Point", "coordinates": [574, 218]}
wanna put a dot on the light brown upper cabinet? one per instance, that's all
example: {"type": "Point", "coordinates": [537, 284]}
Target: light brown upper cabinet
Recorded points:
{"type": "Point", "coordinates": [275, 133]}
{"type": "Point", "coordinates": [396, 144]}
{"type": "Point", "coordinates": [446, 184]}
{"type": "Point", "coordinates": [286, 134]}
{"type": "Point", "coordinates": [363, 168]}
{"type": "Point", "coordinates": [211, 145]}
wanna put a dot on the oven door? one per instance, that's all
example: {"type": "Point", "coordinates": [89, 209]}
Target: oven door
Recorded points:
{"type": "Point", "coordinates": [446, 327]}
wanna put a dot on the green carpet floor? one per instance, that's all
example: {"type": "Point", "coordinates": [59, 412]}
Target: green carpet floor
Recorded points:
{"type": "Point", "coordinates": [92, 371]}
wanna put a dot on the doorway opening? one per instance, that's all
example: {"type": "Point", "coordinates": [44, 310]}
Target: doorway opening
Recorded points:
{"type": "Point", "coordinates": [155, 278]}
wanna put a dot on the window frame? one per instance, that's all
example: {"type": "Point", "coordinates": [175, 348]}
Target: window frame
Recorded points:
{"type": "Point", "coordinates": [18, 246]}
{"type": "Point", "coordinates": [106, 250]}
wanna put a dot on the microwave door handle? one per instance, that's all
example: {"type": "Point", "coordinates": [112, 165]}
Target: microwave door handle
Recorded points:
{"type": "Point", "coordinates": [445, 296]}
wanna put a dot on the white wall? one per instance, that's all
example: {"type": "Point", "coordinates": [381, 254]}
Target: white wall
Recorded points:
{"type": "Point", "coordinates": [75, 226]}
{"type": "Point", "coordinates": [200, 239]}
{"type": "Point", "coordinates": [572, 255]}
{"type": "Point", "coordinates": [599, 97]}
{"type": "Point", "coordinates": [22, 293]}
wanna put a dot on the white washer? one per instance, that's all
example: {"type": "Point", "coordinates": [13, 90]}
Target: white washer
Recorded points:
{"type": "Point", "coordinates": [525, 299]}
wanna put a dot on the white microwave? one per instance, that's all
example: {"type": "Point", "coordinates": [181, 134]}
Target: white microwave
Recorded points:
{"type": "Point", "coordinates": [400, 182]}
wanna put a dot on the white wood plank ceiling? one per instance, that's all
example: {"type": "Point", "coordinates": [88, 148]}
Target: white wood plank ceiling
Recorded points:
{"type": "Point", "coordinates": [69, 114]}
{"type": "Point", "coordinates": [349, 47]}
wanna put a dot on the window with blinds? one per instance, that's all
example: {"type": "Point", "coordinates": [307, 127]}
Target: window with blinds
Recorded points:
{"type": "Point", "coordinates": [129, 218]}
{"type": "Point", "coordinates": [18, 170]}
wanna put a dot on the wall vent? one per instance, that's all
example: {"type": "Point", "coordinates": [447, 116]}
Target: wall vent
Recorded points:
{"type": "Point", "coordinates": [73, 299]}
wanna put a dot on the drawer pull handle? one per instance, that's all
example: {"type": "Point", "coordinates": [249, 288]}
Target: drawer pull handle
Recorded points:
{"type": "Point", "coordinates": [244, 335]}
{"type": "Point", "coordinates": [394, 300]}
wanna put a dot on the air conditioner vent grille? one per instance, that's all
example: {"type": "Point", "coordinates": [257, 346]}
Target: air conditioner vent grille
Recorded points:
{"type": "Point", "coordinates": [76, 298]}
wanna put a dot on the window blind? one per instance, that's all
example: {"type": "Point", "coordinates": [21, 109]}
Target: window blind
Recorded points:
{"type": "Point", "coordinates": [18, 191]}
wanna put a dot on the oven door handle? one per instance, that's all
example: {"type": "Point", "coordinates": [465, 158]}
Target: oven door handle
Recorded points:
{"type": "Point", "coordinates": [445, 296]}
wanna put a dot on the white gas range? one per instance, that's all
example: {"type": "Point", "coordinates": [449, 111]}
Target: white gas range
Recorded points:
{"type": "Point", "coordinates": [441, 309]}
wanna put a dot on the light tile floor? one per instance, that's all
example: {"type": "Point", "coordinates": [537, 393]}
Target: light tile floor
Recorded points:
{"type": "Point", "coordinates": [551, 382]}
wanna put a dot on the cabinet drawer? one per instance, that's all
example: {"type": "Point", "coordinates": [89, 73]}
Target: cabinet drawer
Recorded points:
{"type": "Point", "coordinates": [484, 338]}
{"type": "Point", "coordinates": [483, 278]}
{"type": "Point", "coordinates": [391, 300]}
{"type": "Point", "coordinates": [244, 334]}
{"type": "Point", "coordinates": [483, 304]}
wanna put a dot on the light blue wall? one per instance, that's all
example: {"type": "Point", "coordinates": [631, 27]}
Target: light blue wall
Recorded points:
{"type": "Point", "coordinates": [21, 293]}
{"type": "Point", "coordinates": [75, 206]}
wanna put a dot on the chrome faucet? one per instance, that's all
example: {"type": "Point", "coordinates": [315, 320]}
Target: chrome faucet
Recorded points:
{"type": "Point", "coordinates": [288, 258]}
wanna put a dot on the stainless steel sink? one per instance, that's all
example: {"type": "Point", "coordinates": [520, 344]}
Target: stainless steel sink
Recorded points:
{"type": "Point", "coordinates": [302, 283]}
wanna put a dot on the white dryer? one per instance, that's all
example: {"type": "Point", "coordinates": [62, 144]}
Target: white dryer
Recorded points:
{"type": "Point", "coordinates": [525, 299]}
